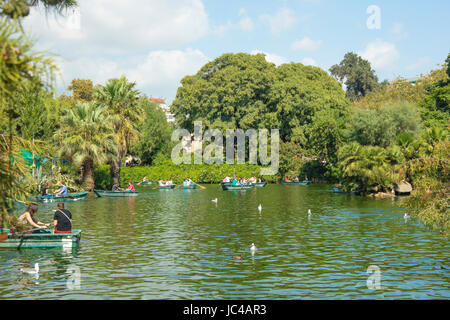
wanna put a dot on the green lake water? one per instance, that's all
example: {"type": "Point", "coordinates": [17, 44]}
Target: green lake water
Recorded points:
{"type": "Point", "coordinates": [178, 244]}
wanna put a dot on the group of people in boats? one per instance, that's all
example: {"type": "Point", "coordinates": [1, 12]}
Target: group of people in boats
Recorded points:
{"type": "Point", "coordinates": [240, 181]}
{"type": "Point", "coordinates": [62, 220]}
{"type": "Point", "coordinates": [296, 179]}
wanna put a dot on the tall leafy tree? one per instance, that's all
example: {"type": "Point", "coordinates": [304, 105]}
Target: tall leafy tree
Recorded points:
{"type": "Point", "coordinates": [155, 133]}
{"type": "Point", "coordinates": [232, 91]}
{"type": "Point", "coordinates": [86, 136]}
{"type": "Point", "coordinates": [120, 98]}
{"type": "Point", "coordinates": [83, 90]}
{"type": "Point", "coordinates": [245, 91]}
{"type": "Point", "coordinates": [357, 75]}
{"type": "Point", "coordinates": [18, 63]}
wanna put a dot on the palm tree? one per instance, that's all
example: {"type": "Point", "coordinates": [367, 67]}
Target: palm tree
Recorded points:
{"type": "Point", "coordinates": [120, 98]}
{"type": "Point", "coordinates": [364, 167]}
{"type": "Point", "coordinates": [86, 136]}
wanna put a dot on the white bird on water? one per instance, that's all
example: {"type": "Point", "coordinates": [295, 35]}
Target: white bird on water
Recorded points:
{"type": "Point", "coordinates": [309, 212]}
{"type": "Point", "coordinates": [260, 207]}
{"type": "Point", "coordinates": [31, 271]}
{"type": "Point", "coordinates": [406, 216]}
{"type": "Point", "coordinates": [253, 248]}
{"type": "Point", "coordinates": [214, 200]}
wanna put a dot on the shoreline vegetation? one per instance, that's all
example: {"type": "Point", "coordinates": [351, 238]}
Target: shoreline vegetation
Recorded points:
{"type": "Point", "coordinates": [368, 138]}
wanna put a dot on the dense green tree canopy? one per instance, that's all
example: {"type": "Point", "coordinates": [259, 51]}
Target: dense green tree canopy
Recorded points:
{"type": "Point", "coordinates": [357, 75]}
{"type": "Point", "coordinates": [245, 91]}
{"type": "Point", "coordinates": [155, 133]}
{"type": "Point", "coordinates": [380, 127]}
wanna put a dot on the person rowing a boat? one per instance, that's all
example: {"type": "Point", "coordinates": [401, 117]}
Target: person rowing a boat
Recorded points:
{"type": "Point", "coordinates": [296, 179]}
{"type": "Point", "coordinates": [144, 179]}
{"type": "Point", "coordinates": [45, 190]}
{"type": "Point", "coordinates": [62, 191]}
{"type": "Point", "coordinates": [62, 220]}
{"type": "Point", "coordinates": [286, 179]}
{"type": "Point", "coordinates": [29, 217]}
{"type": "Point", "coordinates": [161, 182]}
{"type": "Point", "coordinates": [116, 187]}
{"type": "Point", "coordinates": [234, 182]}
{"type": "Point", "coordinates": [130, 187]}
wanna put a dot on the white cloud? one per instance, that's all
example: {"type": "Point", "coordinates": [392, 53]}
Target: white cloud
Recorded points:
{"type": "Point", "coordinates": [419, 64]}
{"type": "Point", "coordinates": [124, 25]}
{"type": "Point", "coordinates": [282, 20]}
{"type": "Point", "coordinates": [309, 62]}
{"type": "Point", "coordinates": [270, 57]}
{"type": "Point", "coordinates": [165, 67]}
{"type": "Point", "coordinates": [158, 73]}
{"type": "Point", "coordinates": [246, 23]}
{"type": "Point", "coordinates": [306, 44]}
{"type": "Point", "coordinates": [399, 31]}
{"type": "Point", "coordinates": [382, 55]}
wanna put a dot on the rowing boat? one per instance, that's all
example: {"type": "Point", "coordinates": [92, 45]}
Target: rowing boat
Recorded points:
{"type": "Point", "coordinates": [145, 183]}
{"type": "Point", "coordinates": [237, 187]}
{"type": "Point", "coordinates": [260, 184]}
{"type": "Point", "coordinates": [337, 189]}
{"type": "Point", "coordinates": [41, 240]}
{"type": "Point", "coordinates": [192, 186]}
{"type": "Point", "coordinates": [107, 193]}
{"type": "Point", "coordinates": [300, 183]}
{"type": "Point", "coordinates": [67, 197]}
{"type": "Point", "coordinates": [171, 186]}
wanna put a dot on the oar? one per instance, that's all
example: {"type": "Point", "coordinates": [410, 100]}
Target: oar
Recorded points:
{"type": "Point", "coordinates": [24, 202]}
{"type": "Point", "coordinates": [202, 187]}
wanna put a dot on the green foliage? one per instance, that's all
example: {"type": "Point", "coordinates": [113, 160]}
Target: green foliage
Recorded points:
{"type": "Point", "coordinates": [326, 134]}
{"type": "Point", "coordinates": [430, 202]}
{"type": "Point", "coordinates": [86, 136]}
{"type": "Point", "coordinates": [368, 168]}
{"type": "Point", "coordinates": [177, 173]}
{"type": "Point", "coordinates": [381, 127]}
{"type": "Point", "coordinates": [245, 91]}
{"type": "Point", "coordinates": [359, 77]}
{"type": "Point", "coordinates": [291, 159]}
{"type": "Point", "coordinates": [120, 98]}
{"type": "Point", "coordinates": [155, 133]}
{"type": "Point", "coordinates": [82, 90]}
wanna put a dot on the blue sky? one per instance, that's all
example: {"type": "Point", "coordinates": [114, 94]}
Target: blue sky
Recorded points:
{"type": "Point", "coordinates": [156, 43]}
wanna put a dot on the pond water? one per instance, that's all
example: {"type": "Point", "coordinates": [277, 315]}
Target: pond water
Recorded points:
{"type": "Point", "coordinates": [178, 244]}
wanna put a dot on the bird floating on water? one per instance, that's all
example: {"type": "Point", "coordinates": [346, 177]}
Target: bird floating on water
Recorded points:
{"type": "Point", "coordinates": [239, 257]}
{"type": "Point", "coordinates": [260, 207]}
{"type": "Point", "coordinates": [309, 212]}
{"type": "Point", "coordinates": [31, 271]}
{"type": "Point", "coordinates": [406, 216]}
{"type": "Point", "coordinates": [214, 200]}
{"type": "Point", "coordinates": [253, 248]}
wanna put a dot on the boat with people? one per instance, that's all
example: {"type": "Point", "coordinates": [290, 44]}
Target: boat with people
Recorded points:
{"type": "Point", "coordinates": [58, 197]}
{"type": "Point", "coordinates": [260, 184]}
{"type": "Point", "coordinates": [337, 189]}
{"type": "Point", "coordinates": [192, 186]}
{"type": "Point", "coordinates": [168, 186]}
{"type": "Point", "coordinates": [237, 186]}
{"type": "Point", "coordinates": [40, 240]}
{"type": "Point", "coordinates": [293, 183]}
{"type": "Point", "coordinates": [145, 183]}
{"type": "Point", "coordinates": [107, 193]}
